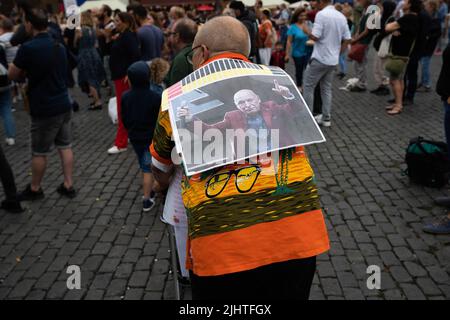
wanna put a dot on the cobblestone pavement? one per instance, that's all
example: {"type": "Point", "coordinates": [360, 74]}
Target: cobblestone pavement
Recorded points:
{"type": "Point", "coordinates": [374, 215]}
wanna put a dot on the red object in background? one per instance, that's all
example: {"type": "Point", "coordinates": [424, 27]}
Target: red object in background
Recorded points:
{"type": "Point", "coordinates": [277, 59]}
{"type": "Point", "coordinates": [205, 7]}
{"type": "Point", "coordinates": [61, 7]}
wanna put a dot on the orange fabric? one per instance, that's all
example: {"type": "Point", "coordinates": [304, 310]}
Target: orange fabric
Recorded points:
{"type": "Point", "coordinates": [157, 157]}
{"type": "Point", "coordinates": [226, 55]}
{"type": "Point", "coordinates": [264, 29]}
{"type": "Point", "coordinates": [297, 237]}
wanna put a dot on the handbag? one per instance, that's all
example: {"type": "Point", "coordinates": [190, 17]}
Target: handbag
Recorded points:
{"type": "Point", "coordinates": [395, 64]}
{"type": "Point", "coordinates": [357, 52]}
{"type": "Point", "coordinates": [383, 51]}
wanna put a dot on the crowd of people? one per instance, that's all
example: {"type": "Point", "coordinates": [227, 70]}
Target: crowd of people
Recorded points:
{"type": "Point", "coordinates": [137, 54]}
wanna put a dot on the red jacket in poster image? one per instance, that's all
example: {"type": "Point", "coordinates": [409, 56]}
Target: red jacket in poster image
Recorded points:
{"type": "Point", "coordinates": [251, 110]}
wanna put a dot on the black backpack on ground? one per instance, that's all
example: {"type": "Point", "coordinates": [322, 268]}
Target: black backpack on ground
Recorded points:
{"type": "Point", "coordinates": [428, 162]}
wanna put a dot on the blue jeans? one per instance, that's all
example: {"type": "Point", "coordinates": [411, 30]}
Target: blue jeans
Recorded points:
{"type": "Point", "coordinates": [6, 114]}
{"type": "Point", "coordinates": [425, 61]}
{"type": "Point", "coordinates": [342, 62]}
{"type": "Point", "coordinates": [447, 124]}
{"type": "Point", "coordinates": [144, 156]}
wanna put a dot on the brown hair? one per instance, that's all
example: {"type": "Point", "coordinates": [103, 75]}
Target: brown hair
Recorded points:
{"type": "Point", "coordinates": [7, 25]}
{"type": "Point", "coordinates": [86, 19]}
{"type": "Point", "coordinates": [158, 70]}
{"type": "Point", "coordinates": [434, 4]}
{"type": "Point", "coordinates": [296, 14]}
{"type": "Point", "coordinates": [128, 19]}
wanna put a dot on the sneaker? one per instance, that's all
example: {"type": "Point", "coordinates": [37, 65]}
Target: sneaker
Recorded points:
{"type": "Point", "coordinates": [11, 206]}
{"type": "Point", "coordinates": [423, 89]}
{"type": "Point", "coordinates": [341, 75]}
{"type": "Point", "coordinates": [69, 193]}
{"type": "Point", "coordinates": [10, 141]}
{"type": "Point", "coordinates": [116, 150]}
{"type": "Point", "coordinates": [148, 204]}
{"type": "Point", "coordinates": [321, 122]}
{"type": "Point", "coordinates": [30, 195]}
{"type": "Point", "coordinates": [440, 226]}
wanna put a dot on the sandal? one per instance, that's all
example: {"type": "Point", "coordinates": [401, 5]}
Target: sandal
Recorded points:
{"type": "Point", "coordinates": [389, 107]}
{"type": "Point", "coordinates": [395, 110]}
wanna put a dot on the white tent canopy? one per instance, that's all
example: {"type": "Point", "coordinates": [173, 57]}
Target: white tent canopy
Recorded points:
{"type": "Point", "coordinates": [97, 4]}
{"type": "Point", "coordinates": [295, 5]}
{"type": "Point", "coordinates": [266, 3]}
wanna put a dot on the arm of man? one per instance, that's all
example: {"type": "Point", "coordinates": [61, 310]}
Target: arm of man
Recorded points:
{"type": "Point", "coordinates": [360, 36]}
{"type": "Point", "coordinates": [222, 125]}
{"type": "Point", "coordinates": [344, 45]}
{"type": "Point", "coordinates": [161, 151]}
{"type": "Point", "coordinates": [15, 73]}
{"type": "Point", "coordinates": [17, 69]}
{"type": "Point", "coordinates": [318, 28]}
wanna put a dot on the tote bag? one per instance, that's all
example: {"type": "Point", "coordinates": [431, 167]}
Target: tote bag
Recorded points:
{"type": "Point", "coordinates": [383, 52]}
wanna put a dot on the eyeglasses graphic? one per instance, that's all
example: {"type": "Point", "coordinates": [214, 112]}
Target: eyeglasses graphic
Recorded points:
{"type": "Point", "coordinates": [245, 179]}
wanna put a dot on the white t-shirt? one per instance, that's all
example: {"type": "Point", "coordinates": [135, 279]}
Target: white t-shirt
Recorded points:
{"type": "Point", "coordinates": [9, 49]}
{"type": "Point", "coordinates": [331, 28]}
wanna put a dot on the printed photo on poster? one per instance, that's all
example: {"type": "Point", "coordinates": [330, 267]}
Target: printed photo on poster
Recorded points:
{"type": "Point", "coordinates": [240, 118]}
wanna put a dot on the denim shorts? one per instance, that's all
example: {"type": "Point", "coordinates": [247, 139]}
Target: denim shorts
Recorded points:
{"type": "Point", "coordinates": [144, 157]}
{"type": "Point", "coordinates": [49, 131]}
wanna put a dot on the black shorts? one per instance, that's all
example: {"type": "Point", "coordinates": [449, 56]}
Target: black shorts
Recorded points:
{"type": "Point", "coordinates": [49, 131]}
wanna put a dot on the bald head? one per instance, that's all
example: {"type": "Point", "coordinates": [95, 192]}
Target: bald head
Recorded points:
{"type": "Point", "coordinates": [247, 101]}
{"type": "Point", "coordinates": [224, 34]}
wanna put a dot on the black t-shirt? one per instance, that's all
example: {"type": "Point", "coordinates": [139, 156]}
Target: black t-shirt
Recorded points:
{"type": "Point", "coordinates": [409, 29]}
{"type": "Point", "coordinates": [69, 34]}
{"type": "Point", "coordinates": [124, 52]}
{"type": "Point", "coordinates": [45, 62]}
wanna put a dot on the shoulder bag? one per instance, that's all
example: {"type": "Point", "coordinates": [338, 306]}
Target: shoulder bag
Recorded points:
{"type": "Point", "coordinates": [396, 64]}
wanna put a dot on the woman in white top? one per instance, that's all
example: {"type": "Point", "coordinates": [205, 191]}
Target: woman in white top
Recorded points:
{"type": "Point", "coordinates": [6, 33]}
